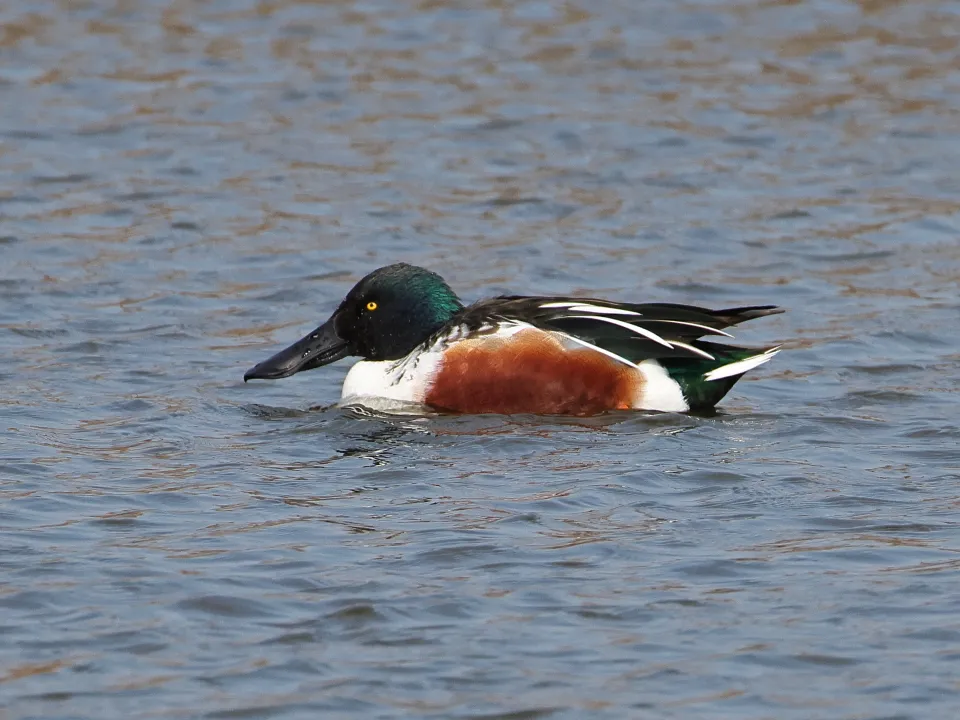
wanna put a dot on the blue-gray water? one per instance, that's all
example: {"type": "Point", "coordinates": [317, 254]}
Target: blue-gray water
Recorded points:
{"type": "Point", "coordinates": [187, 187]}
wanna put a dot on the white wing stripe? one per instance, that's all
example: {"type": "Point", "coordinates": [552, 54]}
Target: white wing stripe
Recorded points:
{"type": "Point", "coordinates": [600, 350]}
{"type": "Point", "coordinates": [741, 366]}
{"type": "Point", "coordinates": [588, 308]}
{"type": "Point", "coordinates": [633, 328]}
{"type": "Point", "coordinates": [696, 350]}
{"type": "Point", "coordinates": [696, 325]}
{"type": "Point", "coordinates": [602, 310]}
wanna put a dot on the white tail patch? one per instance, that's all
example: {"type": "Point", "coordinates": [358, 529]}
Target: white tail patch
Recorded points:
{"type": "Point", "coordinates": [659, 391]}
{"type": "Point", "coordinates": [741, 366]}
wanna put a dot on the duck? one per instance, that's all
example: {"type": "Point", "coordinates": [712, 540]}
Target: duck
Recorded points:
{"type": "Point", "coordinates": [419, 345]}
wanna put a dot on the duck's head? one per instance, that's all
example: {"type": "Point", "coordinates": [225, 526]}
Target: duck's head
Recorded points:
{"type": "Point", "coordinates": [384, 317]}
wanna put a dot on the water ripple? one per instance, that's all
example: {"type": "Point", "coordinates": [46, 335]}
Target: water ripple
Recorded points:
{"type": "Point", "coordinates": [185, 188]}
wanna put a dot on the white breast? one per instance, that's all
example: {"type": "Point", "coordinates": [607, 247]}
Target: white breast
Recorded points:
{"type": "Point", "coordinates": [406, 381]}
{"type": "Point", "coordinates": [403, 381]}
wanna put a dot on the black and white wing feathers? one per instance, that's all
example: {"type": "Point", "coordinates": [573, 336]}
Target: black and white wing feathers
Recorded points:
{"type": "Point", "coordinates": [633, 332]}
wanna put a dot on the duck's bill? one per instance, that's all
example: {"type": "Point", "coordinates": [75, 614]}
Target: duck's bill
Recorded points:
{"type": "Point", "coordinates": [321, 347]}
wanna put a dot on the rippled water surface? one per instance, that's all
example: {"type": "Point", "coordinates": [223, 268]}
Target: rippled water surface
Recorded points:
{"type": "Point", "coordinates": [187, 187]}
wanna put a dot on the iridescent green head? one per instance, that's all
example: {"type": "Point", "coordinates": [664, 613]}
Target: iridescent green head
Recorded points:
{"type": "Point", "coordinates": [384, 317]}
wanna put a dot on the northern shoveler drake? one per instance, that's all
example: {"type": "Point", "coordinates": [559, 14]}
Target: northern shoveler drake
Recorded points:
{"type": "Point", "coordinates": [544, 355]}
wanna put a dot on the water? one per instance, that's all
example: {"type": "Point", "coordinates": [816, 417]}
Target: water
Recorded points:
{"type": "Point", "coordinates": [185, 188]}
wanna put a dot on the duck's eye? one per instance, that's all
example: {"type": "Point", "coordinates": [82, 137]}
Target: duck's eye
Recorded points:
{"type": "Point", "coordinates": [371, 306]}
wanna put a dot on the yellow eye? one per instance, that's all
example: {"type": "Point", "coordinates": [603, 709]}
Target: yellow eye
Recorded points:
{"type": "Point", "coordinates": [371, 306]}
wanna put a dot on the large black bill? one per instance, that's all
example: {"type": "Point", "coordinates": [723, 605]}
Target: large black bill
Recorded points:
{"type": "Point", "coordinates": [320, 347]}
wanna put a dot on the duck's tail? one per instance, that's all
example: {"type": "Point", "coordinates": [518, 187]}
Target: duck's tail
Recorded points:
{"type": "Point", "coordinates": [705, 382]}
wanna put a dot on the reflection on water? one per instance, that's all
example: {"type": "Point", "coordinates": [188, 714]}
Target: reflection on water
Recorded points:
{"type": "Point", "coordinates": [183, 186]}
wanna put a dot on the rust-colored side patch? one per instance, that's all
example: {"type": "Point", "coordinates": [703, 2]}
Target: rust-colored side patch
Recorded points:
{"type": "Point", "coordinates": [530, 372]}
